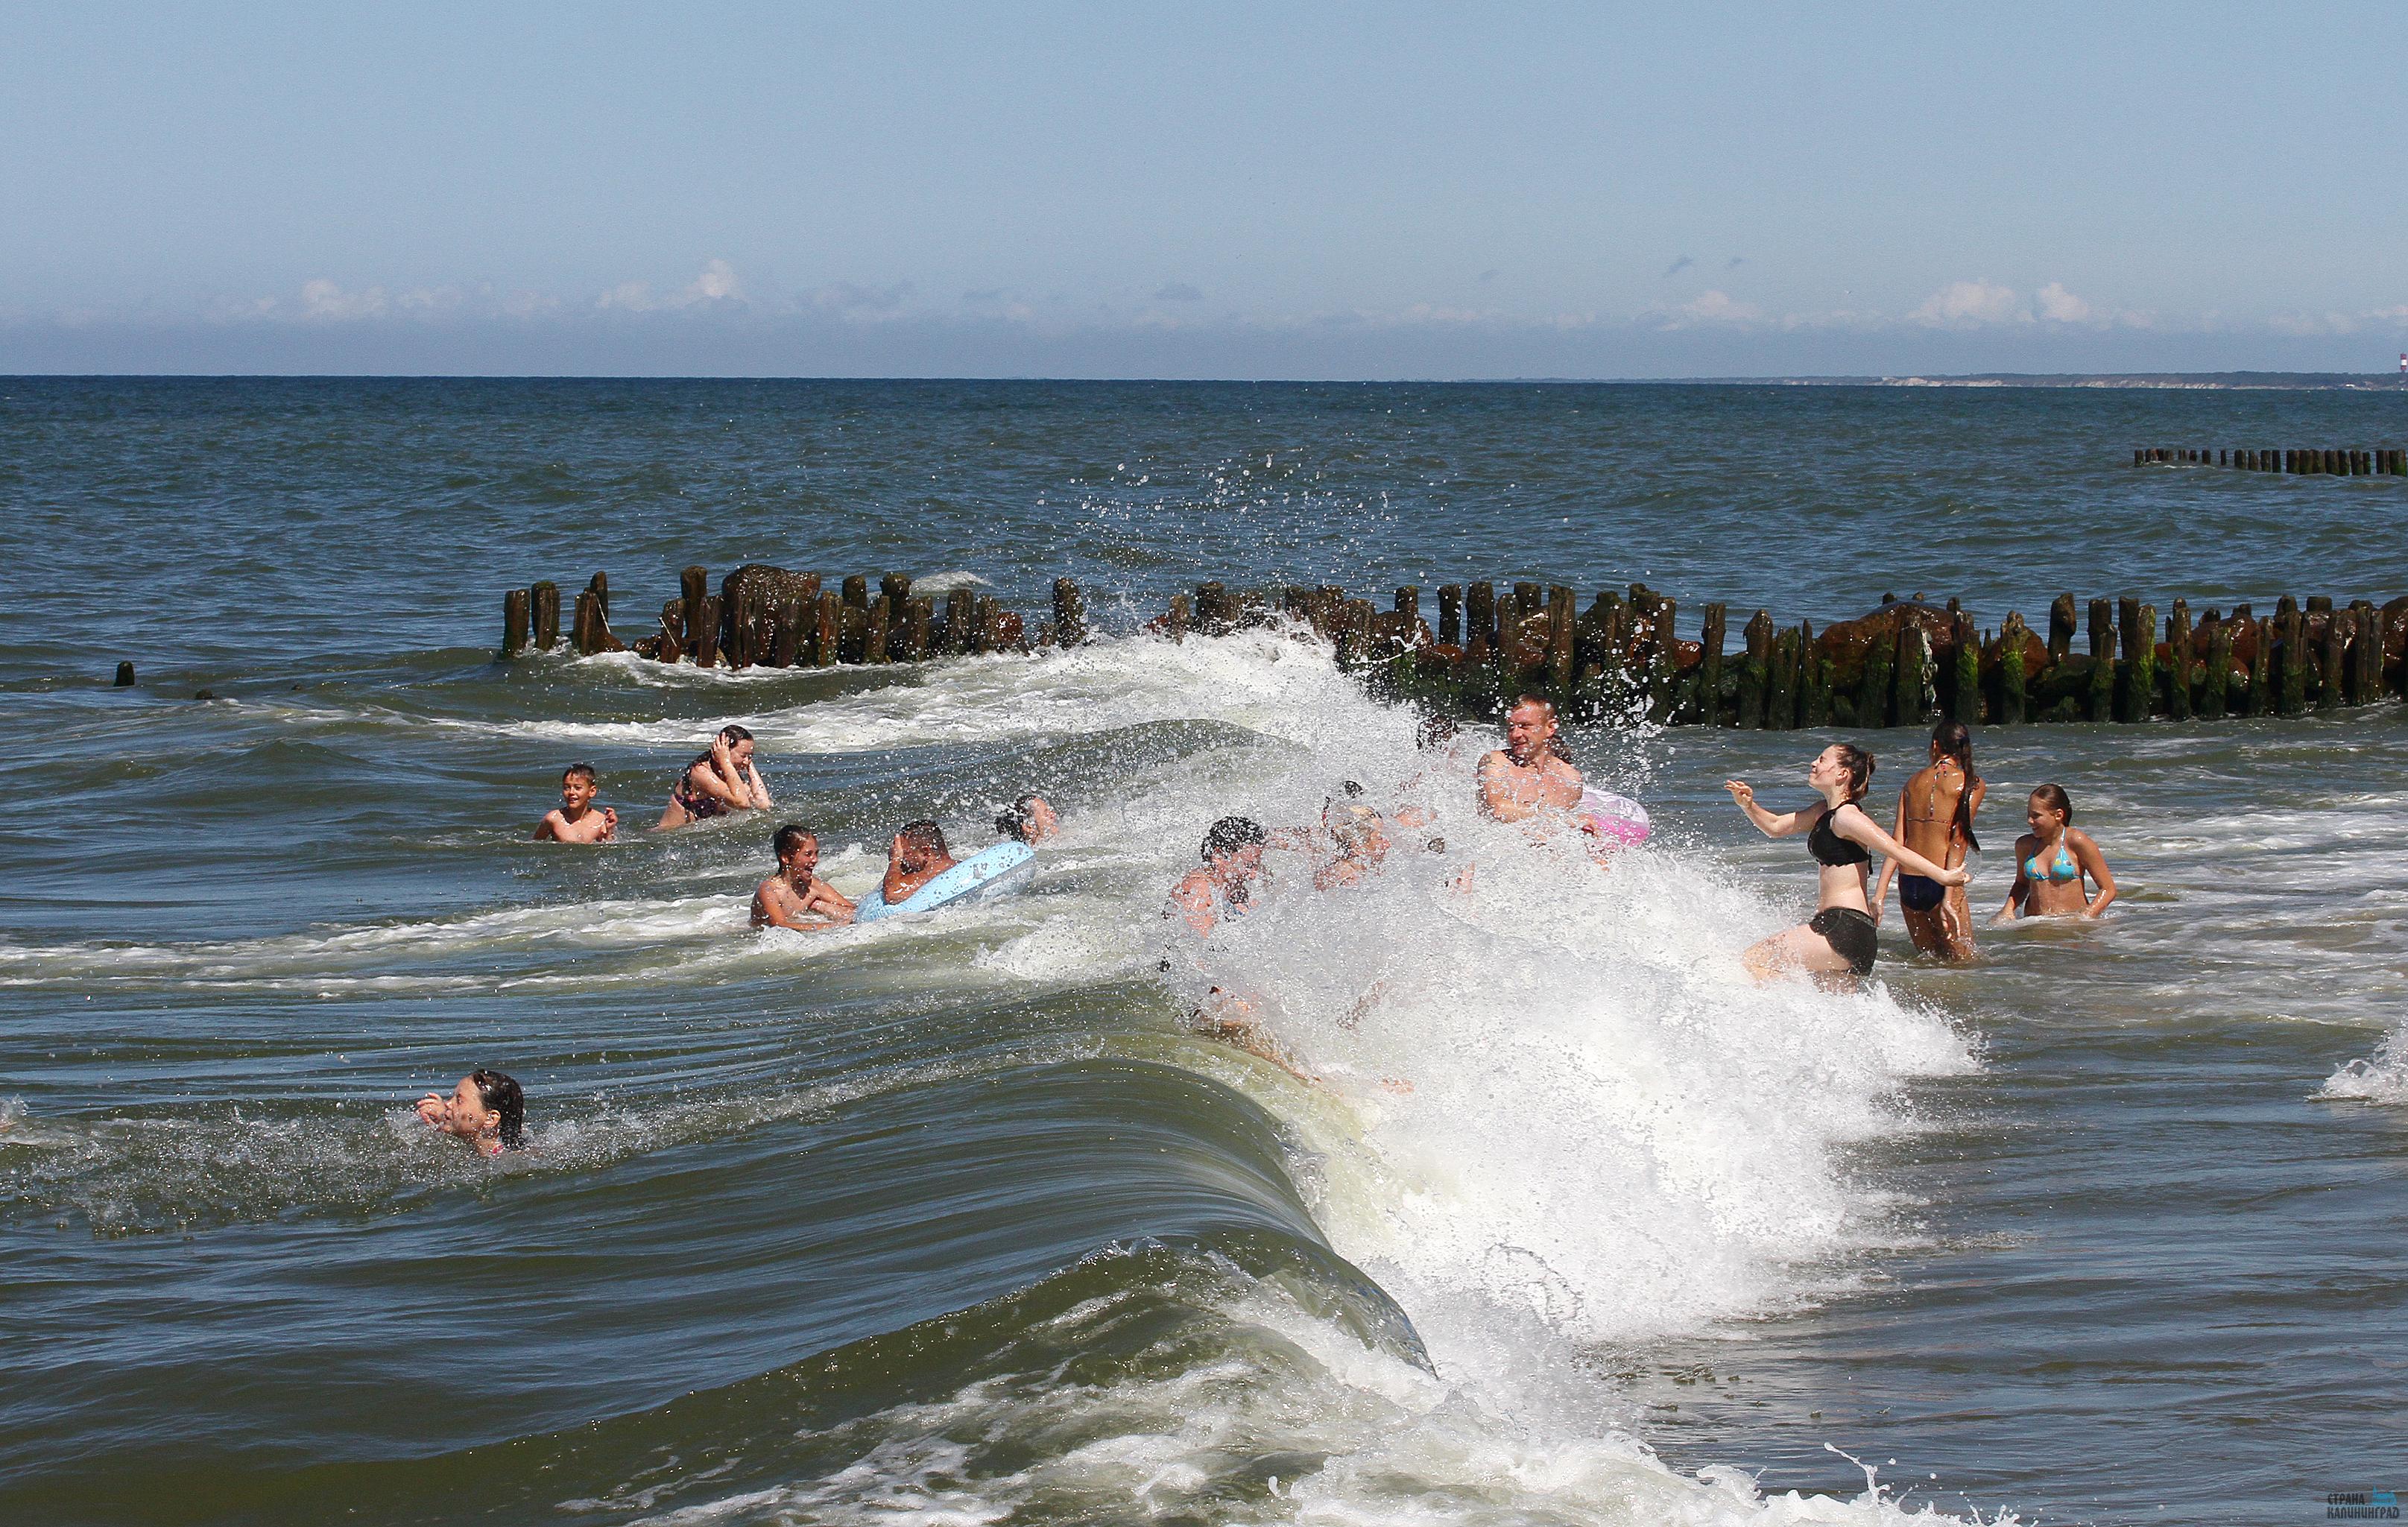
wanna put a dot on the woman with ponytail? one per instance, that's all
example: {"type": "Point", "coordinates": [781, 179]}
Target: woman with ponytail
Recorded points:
{"type": "Point", "coordinates": [1836, 946]}
{"type": "Point", "coordinates": [1935, 819]}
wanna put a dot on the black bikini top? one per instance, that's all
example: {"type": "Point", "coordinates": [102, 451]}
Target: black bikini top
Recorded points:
{"type": "Point", "coordinates": [1829, 848]}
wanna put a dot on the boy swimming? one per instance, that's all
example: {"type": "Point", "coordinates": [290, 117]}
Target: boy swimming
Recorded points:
{"type": "Point", "coordinates": [576, 820]}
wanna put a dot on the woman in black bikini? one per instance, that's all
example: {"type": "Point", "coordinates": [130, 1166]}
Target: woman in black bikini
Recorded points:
{"type": "Point", "coordinates": [1836, 946]}
{"type": "Point", "coordinates": [720, 781]}
{"type": "Point", "coordinates": [1935, 819]}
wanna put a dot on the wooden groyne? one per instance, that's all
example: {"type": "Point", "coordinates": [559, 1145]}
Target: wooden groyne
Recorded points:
{"type": "Point", "coordinates": [2301, 461]}
{"type": "Point", "coordinates": [1616, 659]}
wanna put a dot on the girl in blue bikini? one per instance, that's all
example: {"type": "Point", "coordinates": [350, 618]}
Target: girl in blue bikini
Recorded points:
{"type": "Point", "coordinates": [2052, 861]}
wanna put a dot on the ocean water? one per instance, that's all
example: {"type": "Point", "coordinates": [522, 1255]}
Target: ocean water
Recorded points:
{"type": "Point", "coordinates": [957, 1220]}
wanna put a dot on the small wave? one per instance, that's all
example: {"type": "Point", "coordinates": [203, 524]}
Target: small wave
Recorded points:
{"type": "Point", "coordinates": [2381, 1077]}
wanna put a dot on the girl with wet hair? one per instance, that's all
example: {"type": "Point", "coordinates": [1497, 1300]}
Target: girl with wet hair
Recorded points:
{"type": "Point", "coordinates": [2052, 862]}
{"type": "Point", "coordinates": [1935, 819]}
{"type": "Point", "coordinates": [487, 1108]}
{"type": "Point", "coordinates": [1836, 946]}
{"type": "Point", "coordinates": [720, 781]}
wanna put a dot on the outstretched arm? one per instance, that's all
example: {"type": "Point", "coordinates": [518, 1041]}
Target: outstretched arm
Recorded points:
{"type": "Point", "coordinates": [1858, 828]}
{"type": "Point", "coordinates": [1770, 823]}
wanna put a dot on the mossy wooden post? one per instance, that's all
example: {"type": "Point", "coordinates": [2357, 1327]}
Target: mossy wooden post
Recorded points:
{"type": "Point", "coordinates": [1450, 614]}
{"type": "Point", "coordinates": [961, 614]}
{"type": "Point", "coordinates": [2178, 661]}
{"type": "Point", "coordinates": [2259, 698]}
{"type": "Point", "coordinates": [546, 598]}
{"type": "Point", "coordinates": [1069, 614]}
{"type": "Point", "coordinates": [827, 630]}
{"type": "Point", "coordinates": [2013, 681]}
{"type": "Point", "coordinates": [2215, 692]}
{"type": "Point", "coordinates": [1409, 605]}
{"type": "Point", "coordinates": [2291, 632]}
{"type": "Point", "coordinates": [1481, 608]}
{"type": "Point", "coordinates": [1613, 623]}
{"type": "Point", "coordinates": [2102, 707]}
{"type": "Point", "coordinates": [516, 621]}
{"type": "Point", "coordinates": [1781, 684]}
{"type": "Point", "coordinates": [1710, 663]}
{"type": "Point", "coordinates": [1814, 681]}
{"type": "Point", "coordinates": [2144, 666]}
{"type": "Point", "coordinates": [736, 635]}
{"type": "Point", "coordinates": [2128, 631]}
{"type": "Point", "coordinates": [703, 620]}
{"type": "Point", "coordinates": [1874, 689]}
{"type": "Point", "coordinates": [874, 631]}
{"type": "Point", "coordinates": [857, 591]}
{"type": "Point", "coordinates": [1560, 672]}
{"type": "Point", "coordinates": [1664, 666]}
{"type": "Point", "coordinates": [2333, 652]}
{"type": "Point", "coordinates": [1528, 599]}
{"type": "Point", "coordinates": [1755, 672]}
{"type": "Point", "coordinates": [599, 587]}
{"type": "Point", "coordinates": [1965, 694]}
{"type": "Point", "coordinates": [2366, 652]}
{"type": "Point", "coordinates": [581, 624]}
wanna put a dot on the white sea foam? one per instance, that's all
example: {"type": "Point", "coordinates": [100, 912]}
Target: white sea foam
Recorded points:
{"type": "Point", "coordinates": [2381, 1077]}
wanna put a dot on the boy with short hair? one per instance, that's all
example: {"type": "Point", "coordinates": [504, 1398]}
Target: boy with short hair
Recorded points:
{"type": "Point", "coordinates": [577, 821]}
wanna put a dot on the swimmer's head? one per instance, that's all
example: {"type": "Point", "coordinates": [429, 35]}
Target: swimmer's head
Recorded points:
{"type": "Point", "coordinates": [919, 844]}
{"type": "Point", "coordinates": [1355, 829]}
{"type": "Point", "coordinates": [578, 784]}
{"type": "Point", "coordinates": [1530, 730]}
{"type": "Point", "coordinates": [1435, 731]}
{"type": "Point", "coordinates": [738, 741]}
{"type": "Point", "coordinates": [1234, 841]}
{"type": "Point", "coordinates": [1845, 764]}
{"type": "Point", "coordinates": [1029, 820]}
{"type": "Point", "coordinates": [2050, 809]}
{"type": "Point", "coordinates": [797, 848]}
{"type": "Point", "coordinates": [485, 1105]}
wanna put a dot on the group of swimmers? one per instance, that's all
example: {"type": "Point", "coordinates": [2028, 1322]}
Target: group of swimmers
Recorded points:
{"type": "Point", "coordinates": [1531, 780]}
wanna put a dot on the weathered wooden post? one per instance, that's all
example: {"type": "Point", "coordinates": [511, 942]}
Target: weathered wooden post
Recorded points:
{"type": "Point", "coordinates": [599, 587]}
{"type": "Point", "coordinates": [880, 616]}
{"type": "Point", "coordinates": [2292, 632]}
{"type": "Point", "coordinates": [2102, 661]}
{"type": "Point", "coordinates": [1781, 685]}
{"type": "Point", "coordinates": [1483, 611]}
{"type": "Point", "coordinates": [1527, 598]}
{"type": "Point", "coordinates": [742, 616]}
{"type": "Point", "coordinates": [786, 632]}
{"type": "Point", "coordinates": [827, 631]}
{"type": "Point", "coordinates": [1965, 693]}
{"type": "Point", "coordinates": [2137, 454]}
{"type": "Point", "coordinates": [919, 626]}
{"type": "Point", "coordinates": [2366, 652]}
{"type": "Point", "coordinates": [1756, 672]}
{"type": "Point", "coordinates": [2060, 628]}
{"type": "Point", "coordinates": [2259, 697]}
{"type": "Point", "coordinates": [1664, 669]}
{"type": "Point", "coordinates": [670, 646]}
{"type": "Point", "coordinates": [2144, 677]}
{"type": "Point", "coordinates": [1409, 605]}
{"type": "Point", "coordinates": [581, 625]}
{"type": "Point", "coordinates": [693, 587]}
{"type": "Point", "coordinates": [514, 623]}
{"type": "Point", "coordinates": [1918, 679]}
{"type": "Point", "coordinates": [1450, 614]}
{"type": "Point", "coordinates": [2012, 680]}
{"type": "Point", "coordinates": [2178, 661]}
{"type": "Point", "coordinates": [702, 620]}
{"type": "Point", "coordinates": [961, 618]}
{"type": "Point", "coordinates": [2332, 689]}
{"type": "Point", "coordinates": [1814, 680]}
{"type": "Point", "coordinates": [1069, 614]}
{"type": "Point", "coordinates": [2215, 692]}
{"type": "Point", "coordinates": [124, 680]}
{"type": "Point", "coordinates": [857, 591]}
{"type": "Point", "coordinates": [546, 596]}
{"type": "Point", "coordinates": [1710, 663]}
{"type": "Point", "coordinates": [1873, 696]}
{"type": "Point", "coordinates": [1560, 672]}
{"type": "Point", "coordinates": [1180, 617]}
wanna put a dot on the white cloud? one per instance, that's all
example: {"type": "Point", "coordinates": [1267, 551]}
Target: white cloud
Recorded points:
{"type": "Point", "coordinates": [1718, 308]}
{"type": "Point", "coordinates": [1970, 304]}
{"type": "Point", "coordinates": [717, 283]}
{"type": "Point", "coordinates": [2058, 306]}
{"type": "Point", "coordinates": [323, 299]}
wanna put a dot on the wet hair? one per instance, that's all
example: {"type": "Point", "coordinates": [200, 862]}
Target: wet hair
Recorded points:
{"type": "Point", "coordinates": [1232, 834]}
{"type": "Point", "coordinates": [1435, 728]}
{"type": "Point", "coordinates": [504, 1096]}
{"type": "Point", "coordinates": [735, 734]}
{"type": "Point", "coordinates": [788, 835]}
{"type": "Point", "coordinates": [925, 835]}
{"type": "Point", "coordinates": [1014, 820]}
{"type": "Point", "coordinates": [1351, 788]}
{"type": "Point", "coordinates": [1540, 700]}
{"type": "Point", "coordinates": [579, 771]}
{"type": "Point", "coordinates": [1955, 740]}
{"type": "Point", "coordinates": [1860, 765]}
{"type": "Point", "coordinates": [2053, 797]}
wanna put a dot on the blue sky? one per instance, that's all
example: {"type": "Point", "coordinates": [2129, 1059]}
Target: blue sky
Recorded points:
{"type": "Point", "coordinates": [1242, 190]}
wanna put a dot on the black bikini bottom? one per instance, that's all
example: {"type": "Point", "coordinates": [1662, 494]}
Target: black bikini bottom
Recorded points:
{"type": "Point", "coordinates": [1850, 933]}
{"type": "Point", "coordinates": [1920, 894]}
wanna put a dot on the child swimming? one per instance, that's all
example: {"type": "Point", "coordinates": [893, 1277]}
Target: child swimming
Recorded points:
{"type": "Point", "coordinates": [796, 896]}
{"type": "Point", "coordinates": [576, 820]}
{"type": "Point", "coordinates": [487, 1109]}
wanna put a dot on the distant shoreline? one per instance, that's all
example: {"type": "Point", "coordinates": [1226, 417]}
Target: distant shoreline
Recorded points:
{"type": "Point", "coordinates": [2211, 381]}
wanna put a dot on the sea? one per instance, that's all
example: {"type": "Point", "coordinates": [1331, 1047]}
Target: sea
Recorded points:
{"type": "Point", "coordinates": [960, 1220]}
